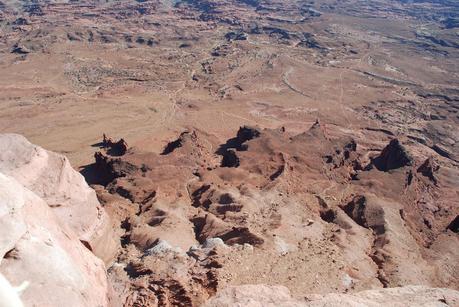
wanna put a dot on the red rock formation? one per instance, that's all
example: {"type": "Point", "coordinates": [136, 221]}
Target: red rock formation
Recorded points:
{"type": "Point", "coordinates": [283, 194]}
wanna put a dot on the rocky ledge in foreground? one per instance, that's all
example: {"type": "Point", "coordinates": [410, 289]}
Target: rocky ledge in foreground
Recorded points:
{"type": "Point", "coordinates": [51, 227]}
{"type": "Point", "coordinates": [272, 296]}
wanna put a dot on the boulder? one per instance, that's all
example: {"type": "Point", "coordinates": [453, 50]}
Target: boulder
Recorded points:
{"type": "Point", "coordinates": [429, 169]}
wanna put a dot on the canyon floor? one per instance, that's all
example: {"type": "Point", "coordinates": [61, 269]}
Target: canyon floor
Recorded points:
{"type": "Point", "coordinates": [308, 145]}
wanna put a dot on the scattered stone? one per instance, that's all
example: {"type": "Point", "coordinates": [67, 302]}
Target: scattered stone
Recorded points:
{"type": "Point", "coordinates": [213, 242]}
{"type": "Point", "coordinates": [17, 49]}
{"type": "Point", "coordinates": [428, 169]}
{"type": "Point", "coordinates": [163, 247]}
{"type": "Point", "coordinates": [235, 36]}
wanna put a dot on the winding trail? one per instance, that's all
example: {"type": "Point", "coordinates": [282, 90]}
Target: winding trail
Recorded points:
{"type": "Point", "coordinates": [341, 96]}
{"type": "Point", "coordinates": [289, 85]}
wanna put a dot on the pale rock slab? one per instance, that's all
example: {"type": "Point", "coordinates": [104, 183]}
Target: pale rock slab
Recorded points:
{"type": "Point", "coordinates": [51, 177]}
{"type": "Point", "coordinates": [35, 247]}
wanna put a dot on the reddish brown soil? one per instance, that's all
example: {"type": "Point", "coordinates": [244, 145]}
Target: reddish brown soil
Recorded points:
{"type": "Point", "coordinates": [396, 204]}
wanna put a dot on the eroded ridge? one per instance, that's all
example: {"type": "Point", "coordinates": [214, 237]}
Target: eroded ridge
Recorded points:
{"type": "Point", "coordinates": [190, 224]}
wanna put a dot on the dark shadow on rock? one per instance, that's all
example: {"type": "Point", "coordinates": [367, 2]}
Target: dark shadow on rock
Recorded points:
{"type": "Point", "coordinates": [98, 145]}
{"type": "Point", "coordinates": [393, 156]}
{"type": "Point", "coordinates": [454, 225]}
{"type": "Point", "coordinates": [230, 158]}
{"type": "Point", "coordinates": [90, 173]}
{"type": "Point", "coordinates": [171, 146]}
{"type": "Point", "coordinates": [244, 134]}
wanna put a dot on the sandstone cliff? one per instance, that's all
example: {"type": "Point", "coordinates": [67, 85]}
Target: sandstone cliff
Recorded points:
{"type": "Point", "coordinates": [50, 220]}
{"type": "Point", "coordinates": [51, 177]}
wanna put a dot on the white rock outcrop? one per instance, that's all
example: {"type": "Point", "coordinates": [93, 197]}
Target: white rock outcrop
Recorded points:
{"type": "Point", "coordinates": [54, 234]}
{"type": "Point", "coordinates": [51, 177]}
{"type": "Point", "coordinates": [36, 247]}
